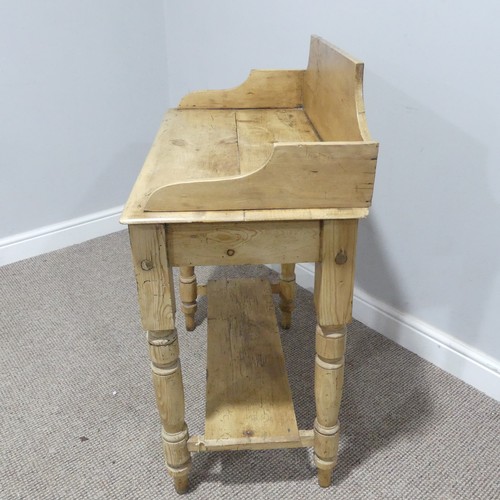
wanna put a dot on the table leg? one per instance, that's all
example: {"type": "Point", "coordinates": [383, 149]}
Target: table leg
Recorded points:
{"type": "Point", "coordinates": [188, 292]}
{"type": "Point", "coordinates": [287, 294]}
{"type": "Point", "coordinates": [157, 307]}
{"type": "Point", "coordinates": [334, 282]}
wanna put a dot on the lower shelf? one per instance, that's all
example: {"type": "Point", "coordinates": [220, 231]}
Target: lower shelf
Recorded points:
{"type": "Point", "coordinates": [249, 402]}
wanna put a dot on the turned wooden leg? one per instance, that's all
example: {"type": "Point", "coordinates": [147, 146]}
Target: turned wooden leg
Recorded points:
{"type": "Point", "coordinates": [328, 380]}
{"type": "Point", "coordinates": [287, 294]}
{"type": "Point", "coordinates": [167, 380]}
{"type": "Point", "coordinates": [334, 282]}
{"type": "Point", "coordinates": [157, 307]}
{"type": "Point", "coordinates": [188, 292]}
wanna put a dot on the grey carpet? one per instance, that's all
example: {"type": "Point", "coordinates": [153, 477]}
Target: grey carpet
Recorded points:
{"type": "Point", "coordinates": [78, 418]}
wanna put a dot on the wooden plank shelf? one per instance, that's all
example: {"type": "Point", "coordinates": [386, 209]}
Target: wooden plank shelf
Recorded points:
{"type": "Point", "coordinates": [249, 402]}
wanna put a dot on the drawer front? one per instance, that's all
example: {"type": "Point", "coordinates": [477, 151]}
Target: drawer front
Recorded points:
{"type": "Point", "coordinates": [237, 243]}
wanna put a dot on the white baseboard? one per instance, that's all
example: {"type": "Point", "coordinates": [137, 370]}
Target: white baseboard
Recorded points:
{"type": "Point", "coordinates": [441, 349]}
{"type": "Point", "coordinates": [45, 239]}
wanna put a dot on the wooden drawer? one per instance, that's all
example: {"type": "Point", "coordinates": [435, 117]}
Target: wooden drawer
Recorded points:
{"type": "Point", "coordinates": [243, 243]}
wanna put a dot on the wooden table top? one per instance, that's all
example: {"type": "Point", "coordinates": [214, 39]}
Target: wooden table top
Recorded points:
{"type": "Point", "coordinates": [285, 145]}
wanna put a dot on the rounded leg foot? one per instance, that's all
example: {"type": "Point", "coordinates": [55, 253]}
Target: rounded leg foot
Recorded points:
{"type": "Point", "coordinates": [190, 323]}
{"type": "Point", "coordinates": [286, 320]}
{"type": "Point", "coordinates": [325, 477]}
{"type": "Point", "coordinates": [181, 484]}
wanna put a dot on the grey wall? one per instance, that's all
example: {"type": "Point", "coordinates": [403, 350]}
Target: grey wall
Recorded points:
{"type": "Point", "coordinates": [431, 244]}
{"type": "Point", "coordinates": [82, 90]}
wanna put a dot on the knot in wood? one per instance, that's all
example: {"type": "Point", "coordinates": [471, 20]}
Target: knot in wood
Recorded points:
{"type": "Point", "coordinates": [341, 258]}
{"type": "Point", "coordinates": [230, 252]}
{"type": "Point", "coordinates": [146, 265]}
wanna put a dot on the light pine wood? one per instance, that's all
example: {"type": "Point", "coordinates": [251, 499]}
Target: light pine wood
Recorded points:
{"type": "Point", "coordinates": [333, 290]}
{"type": "Point", "coordinates": [153, 275]}
{"type": "Point", "coordinates": [189, 145]}
{"type": "Point", "coordinates": [205, 144]}
{"type": "Point", "coordinates": [276, 170]}
{"type": "Point", "coordinates": [328, 384]}
{"type": "Point", "coordinates": [157, 306]}
{"type": "Point", "coordinates": [262, 89]}
{"type": "Point", "coordinates": [134, 215]}
{"type": "Point", "coordinates": [188, 291]}
{"type": "Point", "coordinates": [333, 93]}
{"type": "Point", "coordinates": [212, 144]}
{"type": "Point", "coordinates": [319, 175]}
{"type": "Point", "coordinates": [199, 443]}
{"type": "Point", "coordinates": [258, 130]}
{"type": "Point", "coordinates": [334, 283]}
{"type": "Point", "coordinates": [287, 291]}
{"type": "Point", "coordinates": [230, 153]}
{"type": "Point", "coordinates": [167, 381]}
{"type": "Point", "coordinates": [248, 397]}
{"type": "Point", "coordinates": [251, 243]}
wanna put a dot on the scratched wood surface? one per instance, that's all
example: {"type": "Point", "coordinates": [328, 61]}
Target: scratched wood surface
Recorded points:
{"type": "Point", "coordinates": [282, 141]}
{"type": "Point", "coordinates": [248, 396]}
{"type": "Point", "coordinates": [212, 144]}
{"type": "Point", "coordinates": [153, 274]}
{"type": "Point", "coordinates": [258, 130]}
{"type": "Point", "coordinates": [262, 89]}
{"type": "Point", "coordinates": [333, 93]}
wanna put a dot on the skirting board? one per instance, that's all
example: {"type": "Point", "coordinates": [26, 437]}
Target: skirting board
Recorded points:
{"type": "Point", "coordinates": [441, 349]}
{"type": "Point", "coordinates": [48, 238]}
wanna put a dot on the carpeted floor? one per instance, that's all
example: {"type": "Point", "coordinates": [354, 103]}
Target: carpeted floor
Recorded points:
{"type": "Point", "coordinates": [78, 418]}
